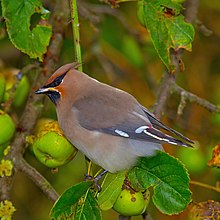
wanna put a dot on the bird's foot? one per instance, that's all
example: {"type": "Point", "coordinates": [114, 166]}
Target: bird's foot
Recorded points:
{"type": "Point", "coordinates": [96, 179]}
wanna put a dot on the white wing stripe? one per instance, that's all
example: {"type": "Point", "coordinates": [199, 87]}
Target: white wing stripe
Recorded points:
{"type": "Point", "coordinates": [121, 133]}
{"type": "Point", "coordinates": [152, 135]}
{"type": "Point", "coordinates": [141, 129]}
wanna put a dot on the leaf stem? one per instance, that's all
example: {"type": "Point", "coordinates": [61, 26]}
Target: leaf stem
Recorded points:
{"type": "Point", "coordinates": [216, 189]}
{"type": "Point", "coordinates": [76, 35]}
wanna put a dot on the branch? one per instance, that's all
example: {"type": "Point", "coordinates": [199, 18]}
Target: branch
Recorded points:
{"type": "Point", "coordinates": [76, 35]}
{"type": "Point", "coordinates": [185, 95]}
{"type": "Point", "coordinates": [33, 110]}
{"type": "Point", "coordinates": [38, 179]}
{"type": "Point", "coordinates": [216, 189]}
{"type": "Point", "coordinates": [163, 93]}
{"type": "Point", "coordinates": [121, 217]}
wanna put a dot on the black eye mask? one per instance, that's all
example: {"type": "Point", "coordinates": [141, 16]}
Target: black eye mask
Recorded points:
{"type": "Point", "coordinates": [56, 81]}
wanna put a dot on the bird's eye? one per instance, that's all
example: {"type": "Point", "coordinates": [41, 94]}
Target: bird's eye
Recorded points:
{"type": "Point", "coordinates": [56, 81]}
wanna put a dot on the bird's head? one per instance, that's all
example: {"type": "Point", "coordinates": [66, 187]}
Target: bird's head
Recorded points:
{"type": "Point", "coordinates": [55, 85]}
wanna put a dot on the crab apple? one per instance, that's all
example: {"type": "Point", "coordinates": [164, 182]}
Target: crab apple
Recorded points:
{"type": "Point", "coordinates": [7, 127]}
{"type": "Point", "coordinates": [22, 90]}
{"type": "Point", "coordinates": [131, 203]}
{"type": "Point", "coordinates": [50, 145]}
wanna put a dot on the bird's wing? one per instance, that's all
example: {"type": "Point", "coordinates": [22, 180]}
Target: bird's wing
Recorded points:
{"type": "Point", "coordinates": [107, 114]}
{"type": "Point", "coordinates": [158, 124]}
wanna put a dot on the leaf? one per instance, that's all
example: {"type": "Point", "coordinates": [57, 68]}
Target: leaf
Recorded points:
{"type": "Point", "coordinates": [64, 206]}
{"type": "Point", "coordinates": [18, 15]}
{"type": "Point", "coordinates": [167, 27]}
{"type": "Point", "coordinates": [215, 161]}
{"type": "Point", "coordinates": [111, 189]}
{"type": "Point", "coordinates": [87, 208]}
{"type": "Point", "coordinates": [169, 179]}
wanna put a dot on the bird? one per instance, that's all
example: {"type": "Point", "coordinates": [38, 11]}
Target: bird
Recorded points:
{"type": "Point", "coordinates": [108, 125]}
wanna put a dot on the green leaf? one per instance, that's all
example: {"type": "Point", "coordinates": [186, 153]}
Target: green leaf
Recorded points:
{"type": "Point", "coordinates": [18, 15]}
{"type": "Point", "coordinates": [169, 179]}
{"type": "Point", "coordinates": [167, 27]}
{"type": "Point", "coordinates": [64, 207]}
{"type": "Point", "coordinates": [111, 188]}
{"type": "Point", "coordinates": [87, 208]}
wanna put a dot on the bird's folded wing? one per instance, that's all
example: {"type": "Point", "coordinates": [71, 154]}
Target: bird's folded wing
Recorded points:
{"type": "Point", "coordinates": [122, 119]}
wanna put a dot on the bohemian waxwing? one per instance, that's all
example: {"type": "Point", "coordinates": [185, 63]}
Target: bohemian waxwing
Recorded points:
{"type": "Point", "coordinates": [106, 124]}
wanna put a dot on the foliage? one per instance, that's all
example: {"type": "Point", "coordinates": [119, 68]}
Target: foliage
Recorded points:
{"type": "Point", "coordinates": [31, 40]}
{"type": "Point", "coordinates": [166, 174]}
{"type": "Point", "coordinates": [169, 179]}
{"type": "Point", "coordinates": [167, 27]}
{"type": "Point", "coordinates": [111, 188]}
{"type": "Point", "coordinates": [76, 201]}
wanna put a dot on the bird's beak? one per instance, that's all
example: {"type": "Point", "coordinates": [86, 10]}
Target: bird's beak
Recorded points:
{"type": "Point", "coordinates": [44, 90]}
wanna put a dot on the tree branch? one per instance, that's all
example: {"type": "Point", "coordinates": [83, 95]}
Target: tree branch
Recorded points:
{"type": "Point", "coordinates": [76, 35]}
{"type": "Point", "coordinates": [163, 93]}
{"type": "Point", "coordinates": [38, 179]}
{"type": "Point", "coordinates": [192, 98]}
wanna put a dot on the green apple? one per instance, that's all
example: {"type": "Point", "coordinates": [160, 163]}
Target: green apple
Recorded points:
{"type": "Point", "coordinates": [22, 89]}
{"type": "Point", "coordinates": [10, 80]}
{"type": "Point", "coordinates": [21, 92]}
{"type": "Point", "coordinates": [7, 127]}
{"type": "Point", "coordinates": [131, 203]}
{"type": "Point", "coordinates": [50, 145]}
{"type": "Point", "coordinates": [53, 150]}
{"type": "Point", "coordinates": [2, 87]}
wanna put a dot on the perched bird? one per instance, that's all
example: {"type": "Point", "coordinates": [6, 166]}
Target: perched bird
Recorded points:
{"type": "Point", "coordinates": [106, 124]}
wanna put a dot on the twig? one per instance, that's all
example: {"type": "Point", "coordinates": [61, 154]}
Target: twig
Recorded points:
{"type": "Point", "coordinates": [205, 186]}
{"type": "Point", "coordinates": [76, 35]}
{"type": "Point", "coordinates": [121, 217]}
{"type": "Point", "coordinates": [163, 93]}
{"type": "Point", "coordinates": [192, 10]}
{"type": "Point", "coordinates": [182, 104]}
{"type": "Point", "coordinates": [194, 98]}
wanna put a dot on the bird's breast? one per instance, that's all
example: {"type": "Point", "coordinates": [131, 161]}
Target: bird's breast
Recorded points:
{"type": "Point", "coordinates": [110, 152]}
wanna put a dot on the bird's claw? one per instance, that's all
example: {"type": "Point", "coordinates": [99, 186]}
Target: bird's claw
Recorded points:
{"type": "Point", "coordinates": [96, 179]}
{"type": "Point", "coordinates": [95, 182]}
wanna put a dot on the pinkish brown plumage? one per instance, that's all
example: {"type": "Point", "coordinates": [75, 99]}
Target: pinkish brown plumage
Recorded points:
{"type": "Point", "coordinates": [107, 124]}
